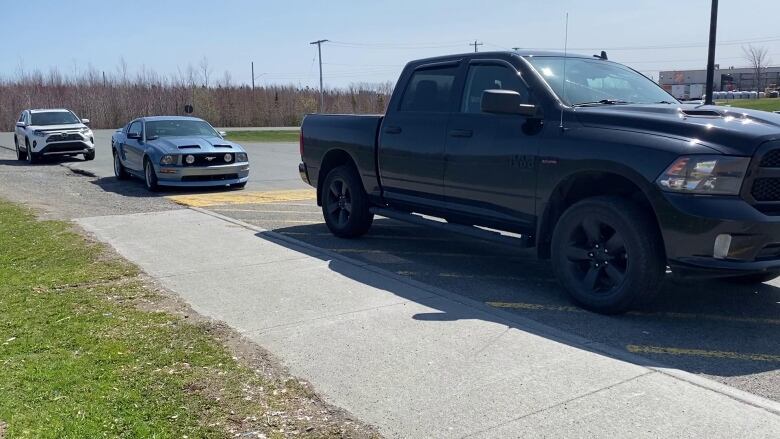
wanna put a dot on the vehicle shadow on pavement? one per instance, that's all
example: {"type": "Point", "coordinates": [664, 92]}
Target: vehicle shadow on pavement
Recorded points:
{"type": "Point", "coordinates": [134, 187]}
{"type": "Point", "coordinates": [708, 327]}
{"type": "Point", "coordinates": [43, 162]}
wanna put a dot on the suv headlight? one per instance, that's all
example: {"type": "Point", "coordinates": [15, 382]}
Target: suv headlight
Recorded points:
{"type": "Point", "coordinates": [85, 130]}
{"type": "Point", "coordinates": [39, 133]}
{"type": "Point", "coordinates": [168, 159]}
{"type": "Point", "coordinates": [705, 174]}
{"type": "Point", "coordinates": [242, 157]}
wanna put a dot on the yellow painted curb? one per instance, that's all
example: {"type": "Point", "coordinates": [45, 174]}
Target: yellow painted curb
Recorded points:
{"type": "Point", "coordinates": [702, 353]}
{"type": "Point", "coordinates": [243, 197]}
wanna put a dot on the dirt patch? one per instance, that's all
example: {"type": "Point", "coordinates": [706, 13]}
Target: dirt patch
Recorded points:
{"type": "Point", "coordinates": [3, 426]}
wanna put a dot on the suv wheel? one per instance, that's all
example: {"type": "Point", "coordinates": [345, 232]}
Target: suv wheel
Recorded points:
{"type": "Point", "coordinates": [32, 158]}
{"type": "Point", "coordinates": [19, 154]}
{"type": "Point", "coordinates": [150, 176]}
{"type": "Point", "coordinates": [89, 156]}
{"type": "Point", "coordinates": [345, 203]}
{"type": "Point", "coordinates": [607, 254]}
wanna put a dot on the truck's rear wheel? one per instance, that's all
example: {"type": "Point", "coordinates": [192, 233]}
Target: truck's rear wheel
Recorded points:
{"type": "Point", "coordinates": [345, 204]}
{"type": "Point", "coordinates": [607, 254]}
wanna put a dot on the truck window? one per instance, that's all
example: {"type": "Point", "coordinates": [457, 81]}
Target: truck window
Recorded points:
{"type": "Point", "coordinates": [430, 90]}
{"type": "Point", "coordinates": [490, 77]}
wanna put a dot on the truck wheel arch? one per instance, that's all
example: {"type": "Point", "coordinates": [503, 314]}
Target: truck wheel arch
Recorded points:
{"type": "Point", "coordinates": [586, 184]}
{"type": "Point", "coordinates": [332, 159]}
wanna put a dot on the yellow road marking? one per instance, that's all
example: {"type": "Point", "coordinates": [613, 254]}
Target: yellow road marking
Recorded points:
{"type": "Point", "coordinates": [673, 315]}
{"type": "Point", "coordinates": [243, 197]}
{"type": "Point", "coordinates": [637, 349]}
{"type": "Point", "coordinates": [269, 211]}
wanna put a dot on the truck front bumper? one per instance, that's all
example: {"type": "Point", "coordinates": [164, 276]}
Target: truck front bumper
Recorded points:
{"type": "Point", "coordinates": [717, 236]}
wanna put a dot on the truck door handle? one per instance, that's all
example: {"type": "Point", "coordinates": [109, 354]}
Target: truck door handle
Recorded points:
{"type": "Point", "coordinates": [393, 130]}
{"type": "Point", "coordinates": [461, 133]}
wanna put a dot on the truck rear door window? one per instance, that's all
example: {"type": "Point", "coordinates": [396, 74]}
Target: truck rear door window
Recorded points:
{"type": "Point", "coordinates": [430, 90]}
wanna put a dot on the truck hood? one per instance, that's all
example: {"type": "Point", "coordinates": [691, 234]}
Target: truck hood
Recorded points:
{"type": "Point", "coordinates": [732, 131]}
{"type": "Point", "coordinates": [184, 145]}
{"type": "Point", "coordinates": [65, 127]}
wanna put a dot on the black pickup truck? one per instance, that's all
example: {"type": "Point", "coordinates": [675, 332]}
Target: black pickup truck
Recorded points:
{"type": "Point", "coordinates": [595, 165]}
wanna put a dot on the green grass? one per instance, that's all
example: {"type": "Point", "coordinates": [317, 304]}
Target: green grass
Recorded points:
{"type": "Point", "coordinates": [79, 358]}
{"type": "Point", "coordinates": [264, 136]}
{"type": "Point", "coordinates": [766, 104]}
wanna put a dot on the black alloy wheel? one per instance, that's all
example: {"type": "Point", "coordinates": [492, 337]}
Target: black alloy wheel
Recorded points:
{"type": "Point", "coordinates": [596, 256]}
{"type": "Point", "coordinates": [345, 204]}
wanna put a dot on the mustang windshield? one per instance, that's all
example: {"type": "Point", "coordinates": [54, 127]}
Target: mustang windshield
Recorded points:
{"type": "Point", "coordinates": [179, 128]}
{"type": "Point", "coordinates": [598, 82]}
{"type": "Point", "coordinates": [53, 118]}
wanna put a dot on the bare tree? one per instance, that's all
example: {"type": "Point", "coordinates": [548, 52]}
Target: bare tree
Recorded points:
{"type": "Point", "coordinates": [205, 71]}
{"type": "Point", "coordinates": [758, 59]}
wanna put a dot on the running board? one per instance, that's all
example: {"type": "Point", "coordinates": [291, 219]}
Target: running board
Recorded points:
{"type": "Point", "coordinates": [516, 241]}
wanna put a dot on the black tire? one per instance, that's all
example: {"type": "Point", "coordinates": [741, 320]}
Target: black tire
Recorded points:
{"type": "Point", "coordinates": [238, 185]}
{"type": "Point", "coordinates": [150, 176]}
{"type": "Point", "coordinates": [119, 169]}
{"type": "Point", "coordinates": [32, 158]}
{"type": "Point", "coordinates": [89, 156]}
{"type": "Point", "coordinates": [752, 279]}
{"type": "Point", "coordinates": [607, 253]}
{"type": "Point", "coordinates": [345, 203]}
{"type": "Point", "coordinates": [19, 154]}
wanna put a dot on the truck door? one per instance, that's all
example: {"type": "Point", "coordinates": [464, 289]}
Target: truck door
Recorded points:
{"type": "Point", "coordinates": [490, 171]}
{"type": "Point", "coordinates": [412, 137]}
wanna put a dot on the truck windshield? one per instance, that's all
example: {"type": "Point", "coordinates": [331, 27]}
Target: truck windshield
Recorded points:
{"type": "Point", "coordinates": [179, 128]}
{"type": "Point", "coordinates": [53, 118]}
{"type": "Point", "coordinates": [598, 82]}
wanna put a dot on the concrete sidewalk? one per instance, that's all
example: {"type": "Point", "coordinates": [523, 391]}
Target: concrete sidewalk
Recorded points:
{"type": "Point", "coordinates": [413, 360]}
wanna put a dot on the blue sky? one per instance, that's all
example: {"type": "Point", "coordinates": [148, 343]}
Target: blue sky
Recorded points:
{"type": "Point", "coordinates": [372, 40]}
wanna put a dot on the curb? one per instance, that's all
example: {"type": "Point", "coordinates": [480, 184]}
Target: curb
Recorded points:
{"type": "Point", "coordinates": [539, 328]}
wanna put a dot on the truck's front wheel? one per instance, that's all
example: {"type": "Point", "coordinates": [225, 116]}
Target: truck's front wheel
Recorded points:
{"type": "Point", "coordinates": [607, 254]}
{"type": "Point", "coordinates": [345, 204]}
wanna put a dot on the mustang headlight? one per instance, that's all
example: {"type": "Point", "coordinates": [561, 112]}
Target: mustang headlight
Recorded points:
{"type": "Point", "coordinates": [190, 159]}
{"type": "Point", "coordinates": [242, 157]}
{"type": "Point", "coordinates": [168, 159]}
{"type": "Point", "coordinates": [705, 174]}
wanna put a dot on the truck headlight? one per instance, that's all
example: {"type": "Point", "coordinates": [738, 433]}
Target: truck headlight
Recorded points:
{"type": "Point", "coordinates": [168, 159]}
{"type": "Point", "coordinates": [242, 157]}
{"type": "Point", "coordinates": [705, 174]}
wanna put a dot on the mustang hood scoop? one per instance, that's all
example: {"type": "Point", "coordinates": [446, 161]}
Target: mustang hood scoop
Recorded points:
{"type": "Point", "coordinates": [189, 147]}
{"type": "Point", "coordinates": [195, 144]}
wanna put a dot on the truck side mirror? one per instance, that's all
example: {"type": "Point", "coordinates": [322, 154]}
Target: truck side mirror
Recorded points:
{"type": "Point", "coordinates": [505, 102]}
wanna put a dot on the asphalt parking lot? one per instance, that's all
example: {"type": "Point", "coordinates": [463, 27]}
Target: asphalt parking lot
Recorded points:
{"type": "Point", "coordinates": [729, 333]}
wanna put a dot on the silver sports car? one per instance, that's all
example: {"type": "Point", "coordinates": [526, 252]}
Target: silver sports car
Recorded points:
{"type": "Point", "coordinates": [178, 151]}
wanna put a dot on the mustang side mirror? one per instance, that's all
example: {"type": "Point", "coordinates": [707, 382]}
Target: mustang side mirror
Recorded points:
{"type": "Point", "coordinates": [136, 136]}
{"type": "Point", "coordinates": [505, 102]}
{"type": "Point", "coordinates": [85, 121]}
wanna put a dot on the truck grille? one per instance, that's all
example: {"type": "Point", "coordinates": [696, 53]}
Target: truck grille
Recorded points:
{"type": "Point", "coordinates": [211, 159]}
{"type": "Point", "coordinates": [766, 189]}
{"type": "Point", "coordinates": [771, 159]}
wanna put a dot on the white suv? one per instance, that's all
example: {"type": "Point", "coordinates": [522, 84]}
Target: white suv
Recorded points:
{"type": "Point", "coordinates": [42, 133]}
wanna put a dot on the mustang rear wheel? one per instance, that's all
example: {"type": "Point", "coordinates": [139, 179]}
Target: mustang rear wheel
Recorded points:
{"type": "Point", "coordinates": [607, 254]}
{"type": "Point", "coordinates": [345, 203]}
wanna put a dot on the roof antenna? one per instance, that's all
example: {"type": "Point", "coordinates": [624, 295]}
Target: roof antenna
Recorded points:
{"type": "Point", "coordinates": [565, 52]}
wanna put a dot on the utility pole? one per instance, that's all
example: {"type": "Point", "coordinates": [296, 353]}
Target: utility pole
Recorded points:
{"type": "Point", "coordinates": [475, 44]}
{"type": "Point", "coordinates": [515, 49]}
{"type": "Point", "coordinates": [319, 56]}
{"type": "Point", "coordinates": [253, 75]}
{"type": "Point", "coordinates": [711, 55]}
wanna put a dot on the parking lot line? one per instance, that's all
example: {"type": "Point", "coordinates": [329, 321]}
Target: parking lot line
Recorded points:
{"type": "Point", "coordinates": [638, 349]}
{"type": "Point", "coordinates": [673, 315]}
{"type": "Point", "coordinates": [242, 197]}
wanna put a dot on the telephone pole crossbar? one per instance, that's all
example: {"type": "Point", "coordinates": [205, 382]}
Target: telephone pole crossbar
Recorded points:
{"type": "Point", "coordinates": [475, 44]}
{"type": "Point", "coordinates": [319, 56]}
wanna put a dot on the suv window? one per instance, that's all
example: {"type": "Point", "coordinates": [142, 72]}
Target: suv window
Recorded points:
{"type": "Point", "coordinates": [21, 117]}
{"type": "Point", "coordinates": [490, 77]}
{"type": "Point", "coordinates": [135, 128]}
{"type": "Point", "coordinates": [430, 90]}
